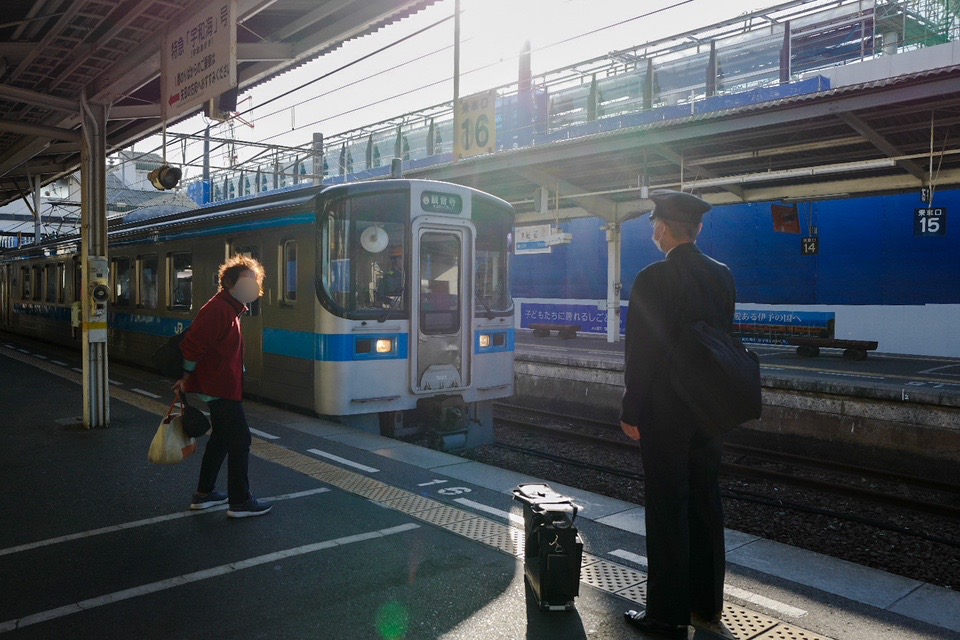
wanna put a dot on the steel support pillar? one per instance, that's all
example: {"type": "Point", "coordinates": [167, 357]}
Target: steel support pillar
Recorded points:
{"type": "Point", "coordinates": [94, 290]}
{"type": "Point", "coordinates": [613, 281]}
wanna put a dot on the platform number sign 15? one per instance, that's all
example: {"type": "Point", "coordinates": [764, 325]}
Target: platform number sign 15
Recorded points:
{"type": "Point", "coordinates": [476, 125]}
{"type": "Point", "coordinates": [930, 222]}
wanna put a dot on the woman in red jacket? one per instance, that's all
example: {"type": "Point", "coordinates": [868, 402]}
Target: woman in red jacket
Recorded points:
{"type": "Point", "coordinates": [213, 369]}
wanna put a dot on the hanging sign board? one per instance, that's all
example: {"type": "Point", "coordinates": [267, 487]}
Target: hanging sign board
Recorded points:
{"type": "Point", "coordinates": [810, 246]}
{"type": "Point", "coordinates": [531, 239]}
{"type": "Point", "coordinates": [199, 58]}
{"type": "Point", "coordinates": [929, 223]}
{"type": "Point", "coordinates": [475, 125]}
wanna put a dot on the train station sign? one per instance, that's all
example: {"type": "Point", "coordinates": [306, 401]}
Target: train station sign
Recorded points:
{"type": "Point", "coordinates": [199, 58]}
{"type": "Point", "coordinates": [930, 222]}
{"type": "Point", "coordinates": [475, 125]}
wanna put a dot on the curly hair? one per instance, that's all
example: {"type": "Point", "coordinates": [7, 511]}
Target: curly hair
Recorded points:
{"type": "Point", "coordinates": [231, 269]}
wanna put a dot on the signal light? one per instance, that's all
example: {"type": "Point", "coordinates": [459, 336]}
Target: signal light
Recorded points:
{"type": "Point", "coordinates": [165, 177]}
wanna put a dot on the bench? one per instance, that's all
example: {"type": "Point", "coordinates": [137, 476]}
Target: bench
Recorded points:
{"type": "Point", "coordinates": [565, 331]}
{"type": "Point", "coordinates": [852, 349]}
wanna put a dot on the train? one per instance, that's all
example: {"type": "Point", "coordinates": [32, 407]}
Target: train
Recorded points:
{"type": "Point", "coordinates": [386, 305]}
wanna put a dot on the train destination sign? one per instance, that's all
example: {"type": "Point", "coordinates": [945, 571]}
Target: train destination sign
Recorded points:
{"type": "Point", "coordinates": [436, 202]}
{"type": "Point", "coordinates": [930, 222]}
{"type": "Point", "coordinates": [199, 58]}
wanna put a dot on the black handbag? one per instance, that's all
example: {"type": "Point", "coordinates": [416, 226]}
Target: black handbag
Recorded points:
{"type": "Point", "coordinates": [194, 422]}
{"type": "Point", "coordinates": [716, 377]}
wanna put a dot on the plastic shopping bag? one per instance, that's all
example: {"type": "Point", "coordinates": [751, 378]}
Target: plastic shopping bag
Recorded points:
{"type": "Point", "coordinates": [171, 445]}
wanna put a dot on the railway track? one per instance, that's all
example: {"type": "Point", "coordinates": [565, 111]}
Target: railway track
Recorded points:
{"type": "Point", "coordinates": [521, 419]}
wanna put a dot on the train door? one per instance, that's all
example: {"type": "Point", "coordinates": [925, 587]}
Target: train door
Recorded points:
{"type": "Point", "coordinates": [252, 324]}
{"type": "Point", "coordinates": [5, 295]}
{"type": "Point", "coordinates": [442, 275]}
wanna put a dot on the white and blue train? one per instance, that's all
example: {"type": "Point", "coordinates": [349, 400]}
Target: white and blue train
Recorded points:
{"type": "Point", "coordinates": [386, 303]}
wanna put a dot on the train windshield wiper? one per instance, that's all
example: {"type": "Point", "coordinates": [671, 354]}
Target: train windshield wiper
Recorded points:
{"type": "Point", "coordinates": [396, 299]}
{"type": "Point", "coordinates": [476, 294]}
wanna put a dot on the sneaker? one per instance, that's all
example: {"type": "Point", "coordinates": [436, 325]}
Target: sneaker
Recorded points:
{"type": "Point", "coordinates": [212, 499]}
{"type": "Point", "coordinates": [248, 509]}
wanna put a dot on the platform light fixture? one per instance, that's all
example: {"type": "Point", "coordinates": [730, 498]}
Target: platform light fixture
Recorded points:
{"type": "Point", "coordinates": [165, 177]}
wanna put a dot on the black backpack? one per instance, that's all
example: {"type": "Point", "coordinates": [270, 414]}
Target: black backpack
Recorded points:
{"type": "Point", "coordinates": [716, 376]}
{"type": "Point", "coordinates": [168, 359]}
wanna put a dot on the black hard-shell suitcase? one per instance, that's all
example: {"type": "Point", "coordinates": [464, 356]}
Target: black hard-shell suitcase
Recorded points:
{"type": "Point", "coordinates": [553, 549]}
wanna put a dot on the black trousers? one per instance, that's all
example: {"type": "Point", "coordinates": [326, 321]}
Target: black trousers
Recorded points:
{"type": "Point", "coordinates": [684, 520]}
{"type": "Point", "coordinates": [229, 438]}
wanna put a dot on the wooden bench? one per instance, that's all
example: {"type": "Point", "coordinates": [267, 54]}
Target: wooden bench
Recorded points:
{"type": "Point", "coordinates": [565, 331]}
{"type": "Point", "coordinates": [852, 349]}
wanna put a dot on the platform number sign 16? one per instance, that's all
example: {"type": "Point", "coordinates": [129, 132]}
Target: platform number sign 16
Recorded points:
{"type": "Point", "coordinates": [476, 125]}
{"type": "Point", "coordinates": [930, 222]}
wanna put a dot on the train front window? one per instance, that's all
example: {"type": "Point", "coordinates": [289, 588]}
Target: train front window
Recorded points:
{"type": "Point", "coordinates": [362, 250]}
{"type": "Point", "coordinates": [494, 223]}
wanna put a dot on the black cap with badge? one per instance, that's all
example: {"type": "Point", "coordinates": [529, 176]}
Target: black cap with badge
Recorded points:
{"type": "Point", "coordinates": [679, 206]}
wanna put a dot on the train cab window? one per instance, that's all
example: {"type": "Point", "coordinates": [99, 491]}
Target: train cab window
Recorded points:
{"type": "Point", "coordinates": [147, 282]}
{"type": "Point", "coordinates": [362, 251]}
{"type": "Point", "coordinates": [289, 272]}
{"type": "Point", "coordinates": [62, 279]}
{"type": "Point", "coordinates": [25, 287]}
{"type": "Point", "coordinates": [37, 286]}
{"type": "Point", "coordinates": [494, 223]}
{"type": "Point", "coordinates": [50, 279]}
{"type": "Point", "coordinates": [121, 274]}
{"type": "Point", "coordinates": [181, 281]}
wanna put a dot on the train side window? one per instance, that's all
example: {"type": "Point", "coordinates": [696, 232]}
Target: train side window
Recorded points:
{"type": "Point", "coordinates": [121, 281]}
{"type": "Point", "coordinates": [181, 281]}
{"type": "Point", "coordinates": [37, 283]}
{"type": "Point", "coordinates": [147, 282]}
{"type": "Point", "coordinates": [62, 280]}
{"type": "Point", "coordinates": [51, 282]}
{"type": "Point", "coordinates": [25, 283]}
{"type": "Point", "coordinates": [289, 272]}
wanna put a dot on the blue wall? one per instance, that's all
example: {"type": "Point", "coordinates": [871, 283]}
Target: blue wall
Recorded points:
{"type": "Point", "coordinates": [868, 255]}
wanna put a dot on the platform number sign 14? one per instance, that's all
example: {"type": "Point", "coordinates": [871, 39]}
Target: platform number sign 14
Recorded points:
{"type": "Point", "coordinates": [930, 222]}
{"type": "Point", "coordinates": [476, 125]}
{"type": "Point", "coordinates": [810, 246]}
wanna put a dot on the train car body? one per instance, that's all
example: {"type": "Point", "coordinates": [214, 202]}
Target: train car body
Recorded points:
{"type": "Point", "coordinates": [386, 303]}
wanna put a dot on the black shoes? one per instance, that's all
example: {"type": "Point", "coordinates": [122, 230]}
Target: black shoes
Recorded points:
{"type": "Point", "coordinates": [639, 621]}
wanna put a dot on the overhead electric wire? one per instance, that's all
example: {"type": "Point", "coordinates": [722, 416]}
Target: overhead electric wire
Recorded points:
{"type": "Point", "coordinates": [408, 92]}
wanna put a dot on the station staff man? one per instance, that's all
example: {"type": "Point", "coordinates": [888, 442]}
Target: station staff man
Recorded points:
{"type": "Point", "coordinates": [681, 461]}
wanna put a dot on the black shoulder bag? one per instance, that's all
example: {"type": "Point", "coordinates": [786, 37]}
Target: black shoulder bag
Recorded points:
{"type": "Point", "coordinates": [716, 376]}
{"type": "Point", "coordinates": [168, 359]}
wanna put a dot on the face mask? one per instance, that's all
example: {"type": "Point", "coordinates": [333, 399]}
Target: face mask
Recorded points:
{"type": "Point", "coordinates": [657, 239]}
{"type": "Point", "coordinates": [246, 290]}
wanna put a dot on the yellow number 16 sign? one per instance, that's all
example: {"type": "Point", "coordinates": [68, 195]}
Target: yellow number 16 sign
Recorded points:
{"type": "Point", "coordinates": [476, 125]}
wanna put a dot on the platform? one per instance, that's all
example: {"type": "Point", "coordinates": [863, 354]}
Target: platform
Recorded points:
{"type": "Point", "coordinates": [369, 538]}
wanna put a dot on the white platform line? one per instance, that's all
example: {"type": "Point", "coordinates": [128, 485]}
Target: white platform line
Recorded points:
{"type": "Point", "coordinates": [37, 355]}
{"type": "Point", "coordinates": [145, 393]}
{"type": "Point", "coordinates": [349, 463]}
{"type": "Point", "coordinates": [77, 369]}
{"type": "Point", "coordinates": [632, 557]}
{"type": "Point", "coordinates": [506, 515]}
{"type": "Point", "coordinates": [145, 522]}
{"type": "Point", "coordinates": [763, 601]}
{"type": "Point", "coordinates": [62, 364]}
{"type": "Point", "coordinates": [196, 576]}
{"type": "Point", "coordinates": [262, 434]}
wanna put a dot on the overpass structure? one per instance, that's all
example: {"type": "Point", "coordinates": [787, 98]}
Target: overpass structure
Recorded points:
{"type": "Point", "coordinates": [809, 100]}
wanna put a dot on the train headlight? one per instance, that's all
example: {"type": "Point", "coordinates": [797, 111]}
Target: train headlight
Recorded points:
{"type": "Point", "coordinates": [384, 345]}
{"type": "Point", "coordinates": [485, 340]}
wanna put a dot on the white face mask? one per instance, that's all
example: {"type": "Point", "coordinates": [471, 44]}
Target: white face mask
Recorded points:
{"type": "Point", "coordinates": [656, 239]}
{"type": "Point", "coordinates": [246, 290]}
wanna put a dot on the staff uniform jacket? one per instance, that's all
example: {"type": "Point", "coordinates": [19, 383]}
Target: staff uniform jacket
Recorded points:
{"type": "Point", "coordinates": [685, 287]}
{"type": "Point", "coordinates": [215, 342]}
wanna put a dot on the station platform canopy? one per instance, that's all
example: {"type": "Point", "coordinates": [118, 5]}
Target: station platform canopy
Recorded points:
{"type": "Point", "coordinates": [52, 52]}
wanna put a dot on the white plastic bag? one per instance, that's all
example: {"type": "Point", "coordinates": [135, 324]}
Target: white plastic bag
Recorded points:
{"type": "Point", "coordinates": [171, 445]}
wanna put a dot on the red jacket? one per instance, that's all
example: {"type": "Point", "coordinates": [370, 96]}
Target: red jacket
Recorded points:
{"type": "Point", "coordinates": [215, 342]}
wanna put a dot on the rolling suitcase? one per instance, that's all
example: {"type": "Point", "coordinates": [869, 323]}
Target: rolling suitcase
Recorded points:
{"type": "Point", "coordinates": [553, 548]}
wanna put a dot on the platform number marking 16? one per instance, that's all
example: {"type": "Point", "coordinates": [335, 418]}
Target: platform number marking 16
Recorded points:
{"type": "Point", "coordinates": [476, 125]}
